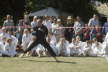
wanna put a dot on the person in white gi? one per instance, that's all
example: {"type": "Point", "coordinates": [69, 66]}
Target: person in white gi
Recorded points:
{"type": "Point", "coordinates": [2, 46]}
{"type": "Point", "coordinates": [71, 48]}
{"type": "Point", "coordinates": [87, 48]}
{"type": "Point", "coordinates": [14, 39]}
{"type": "Point", "coordinates": [54, 26]}
{"type": "Point", "coordinates": [96, 48]}
{"type": "Point", "coordinates": [3, 33]}
{"type": "Point", "coordinates": [10, 49]}
{"type": "Point", "coordinates": [106, 47]}
{"type": "Point", "coordinates": [26, 39]}
{"type": "Point", "coordinates": [78, 46]}
{"type": "Point", "coordinates": [62, 47]}
{"type": "Point", "coordinates": [53, 42]}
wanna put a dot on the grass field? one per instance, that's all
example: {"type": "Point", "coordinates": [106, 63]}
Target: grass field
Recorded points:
{"type": "Point", "coordinates": [48, 64]}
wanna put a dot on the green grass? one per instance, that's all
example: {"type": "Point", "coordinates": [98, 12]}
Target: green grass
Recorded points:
{"type": "Point", "coordinates": [48, 64]}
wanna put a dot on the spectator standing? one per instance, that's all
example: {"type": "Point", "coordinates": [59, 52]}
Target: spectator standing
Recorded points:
{"type": "Point", "coordinates": [69, 31]}
{"type": "Point", "coordinates": [9, 23]}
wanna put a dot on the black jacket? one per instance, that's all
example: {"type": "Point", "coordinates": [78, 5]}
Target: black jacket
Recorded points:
{"type": "Point", "coordinates": [41, 32]}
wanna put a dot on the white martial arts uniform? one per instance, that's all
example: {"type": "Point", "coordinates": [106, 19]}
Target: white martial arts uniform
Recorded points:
{"type": "Point", "coordinates": [25, 40]}
{"type": "Point", "coordinates": [10, 49]}
{"type": "Point", "coordinates": [79, 48]}
{"type": "Point", "coordinates": [96, 49]}
{"type": "Point", "coordinates": [3, 34]}
{"type": "Point", "coordinates": [53, 42]}
{"type": "Point", "coordinates": [105, 45]}
{"type": "Point", "coordinates": [71, 50]}
{"type": "Point", "coordinates": [87, 49]}
{"type": "Point", "coordinates": [54, 26]}
{"type": "Point", "coordinates": [14, 40]}
{"type": "Point", "coordinates": [2, 48]}
{"type": "Point", "coordinates": [62, 48]}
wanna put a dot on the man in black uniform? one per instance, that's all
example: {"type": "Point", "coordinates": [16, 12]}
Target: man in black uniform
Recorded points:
{"type": "Point", "coordinates": [41, 33]}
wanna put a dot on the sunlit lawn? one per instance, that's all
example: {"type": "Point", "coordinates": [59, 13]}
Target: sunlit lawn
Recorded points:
{"type": "Point", "coordinates": [48, 64]}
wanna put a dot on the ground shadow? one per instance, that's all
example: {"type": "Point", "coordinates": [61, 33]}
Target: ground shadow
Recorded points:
{"type": "Point", "coordinates": [50, 61]}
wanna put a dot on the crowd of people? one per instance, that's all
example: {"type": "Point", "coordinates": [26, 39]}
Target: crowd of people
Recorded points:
{"type": "Point", "coordinates": [71, 37]}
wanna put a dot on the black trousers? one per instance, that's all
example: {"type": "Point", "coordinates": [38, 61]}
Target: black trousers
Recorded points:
{"type": "Point", "coordinates": [44, 43]}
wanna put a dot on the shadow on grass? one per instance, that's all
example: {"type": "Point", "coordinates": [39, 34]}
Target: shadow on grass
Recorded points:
{"type": "Point", "coordinates": [51, 61]}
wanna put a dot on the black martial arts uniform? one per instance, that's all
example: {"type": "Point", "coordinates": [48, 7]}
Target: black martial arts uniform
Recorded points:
{"type": "Point", "coordinates": [41, 33]}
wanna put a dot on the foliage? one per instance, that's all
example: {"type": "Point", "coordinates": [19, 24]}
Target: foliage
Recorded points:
{"type": "Point", "coordinates": [104, 1]}
{"type": "Point", "coordinates": [12, 7]}
{"type": "Point", "coordinates": [81, 8]}
{"type": "Point", "coordinates": [17, 8]}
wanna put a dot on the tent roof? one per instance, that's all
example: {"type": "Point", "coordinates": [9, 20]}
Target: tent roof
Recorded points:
{"type": "Point", "coordinates": [49, 12]}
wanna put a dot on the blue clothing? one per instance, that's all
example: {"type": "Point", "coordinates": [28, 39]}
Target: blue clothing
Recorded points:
{"type": "Point", "coordinates": [105, 29]}
{"type": "Point", "coordinates": [19, 37]}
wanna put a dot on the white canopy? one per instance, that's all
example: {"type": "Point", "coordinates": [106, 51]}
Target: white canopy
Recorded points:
{"type": "Point", "coordinates": [49, 12]}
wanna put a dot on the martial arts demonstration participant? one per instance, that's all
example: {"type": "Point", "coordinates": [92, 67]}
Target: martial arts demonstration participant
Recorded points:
{"type": "Point", "coordinates": [41, 33]}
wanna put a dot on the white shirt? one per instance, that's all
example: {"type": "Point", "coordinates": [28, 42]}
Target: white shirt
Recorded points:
{"type": "Point", "coordinates": [48, 24]}
{"type": "Point", "coordinates": [53, 40]}
{"type": "Point", "coordinates": [77, 26]}
{"type": "Point", "coordinates": [3, 34]}
{"type": "Point", "coordinates": [10, 49]}
{"type": "Point", "coordinates": [2, 47]}
{"type": "Point", "coordinates": [54, 26]}
{"type": "Point", "coordinates": [33, 24]}
{"type": "Point", "coordinates": [8, 23]}
{"type": "Point", "coordinates": [25, 40]}
{"type": "Point", "coordinates": [93, 22]}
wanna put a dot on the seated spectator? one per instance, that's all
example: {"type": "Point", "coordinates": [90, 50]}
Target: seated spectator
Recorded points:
{"type": "Point", "coordinates": [18, 35]}
{"type": "Point", "coordinates": [26, 39]}
{"type": "Point", "coordinates": [79, 46]}
{"type": "Point", "coordinates": [62, 46]}
{"type": "Point", "coordinates": [3, 33]}
{"type": "Point", "coordinates": [96, 48]}
{"type": "Point", "coordinates": [53, 42]}
{"type": "Point", "coordinates": [10, 49]}
{"type": "Point", "coordinates": [71, 50]}
{"type": "Point", "coordinates": [87, 48]}
{"type": "Point", "coordinates": [2, 46]}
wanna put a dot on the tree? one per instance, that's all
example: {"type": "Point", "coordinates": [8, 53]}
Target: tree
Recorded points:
{"type": "Point", "coordinates": [12, 7]}
{"type": "Point", "coordinates": [81, 8]}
